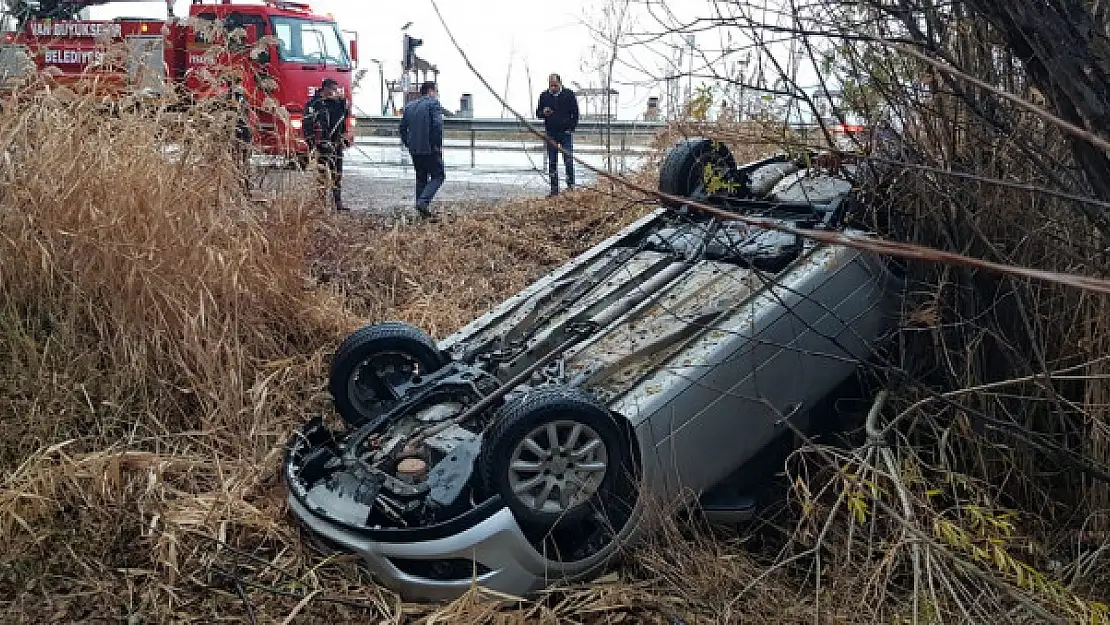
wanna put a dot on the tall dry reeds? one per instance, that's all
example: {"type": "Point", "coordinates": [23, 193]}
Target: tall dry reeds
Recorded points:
{"type": "Point", "coordinates": [130, 251]}
{"type": "Point", "coordinates": [155, 330]}
{"type": "Point", "coordinates": [989, 497]}
{"type": "Point", "coordinates": [162, 334]}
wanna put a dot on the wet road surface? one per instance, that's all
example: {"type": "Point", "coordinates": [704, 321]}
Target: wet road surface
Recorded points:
{"type": "Point", "coordinates": [379, 178]}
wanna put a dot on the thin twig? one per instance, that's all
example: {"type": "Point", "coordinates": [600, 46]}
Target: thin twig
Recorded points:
{"type": "Point", "coordinates": [986, 387]}
{"type": "Point", "coordinates": [863, 243]}
{"type": "Point", "coordinates": [1029, 106]}
{"type": "Point", "coordinates": [300, 606]}
{"type": "Point", "coordinates": [874, 435]}
{"type": "Point", "coordinates": [246, 602]}
{"type": "Point", "coordinates": [296, 595]}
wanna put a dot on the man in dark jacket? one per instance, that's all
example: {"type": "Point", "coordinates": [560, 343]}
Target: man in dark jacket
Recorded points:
{"type": "Point", "coordinates": [558, 107]}
{"type": "Point", "coordinates": [325, 126]}
{"type": "Point", "coordinates": [422, 133]}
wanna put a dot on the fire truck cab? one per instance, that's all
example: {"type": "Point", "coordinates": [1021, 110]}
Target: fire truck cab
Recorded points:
{"type": "Point", "coordinates": [278, 51]}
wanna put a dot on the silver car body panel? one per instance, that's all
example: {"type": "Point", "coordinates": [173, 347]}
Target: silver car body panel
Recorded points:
{"type": "Point", "coordinates": [496, 542]}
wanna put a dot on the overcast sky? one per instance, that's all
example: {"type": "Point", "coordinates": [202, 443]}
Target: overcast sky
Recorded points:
{"type": "Point", "coordinates": [505, 39]}
{"type": "Point", "coordinates": [514, 44]}
{"type": "Point", "coordinates": [502, 38]}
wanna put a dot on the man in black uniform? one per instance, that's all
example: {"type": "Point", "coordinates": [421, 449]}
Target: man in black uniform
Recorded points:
{"type": "Point", "coordinates": [325, 125]}
{"type": "Point", "coordinates": [558, 107]}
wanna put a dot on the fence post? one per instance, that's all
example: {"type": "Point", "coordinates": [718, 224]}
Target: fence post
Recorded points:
{"type": "Point", "coordinates": [624, 136]}
{"type": "Point", "coordinates": [473, 145]}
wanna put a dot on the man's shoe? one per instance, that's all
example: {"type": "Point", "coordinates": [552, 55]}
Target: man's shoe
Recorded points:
{"type": "Point", "coordinates": [553, 193]}
{"type": "Point", "coordinates": [424, 211]}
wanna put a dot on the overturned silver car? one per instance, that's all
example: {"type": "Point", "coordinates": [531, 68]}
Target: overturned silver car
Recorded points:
{"type": "Point", "coordinates": [523, 449]}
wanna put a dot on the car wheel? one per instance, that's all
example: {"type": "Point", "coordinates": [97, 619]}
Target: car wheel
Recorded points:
{"type": "Point", "coordinates": [683, 169]}
{"type": "Point", "coordinates": [554, 455]}
{"type": "Point", "coordinates": [372, 362]}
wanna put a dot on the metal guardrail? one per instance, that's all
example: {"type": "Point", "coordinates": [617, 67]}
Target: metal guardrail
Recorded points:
{"type": "Point", "coordinates": [620, 135]}
{"type": "Point", "coordinates": [614, 138]}
{"type": "Point", "coordinates": [387, 125]}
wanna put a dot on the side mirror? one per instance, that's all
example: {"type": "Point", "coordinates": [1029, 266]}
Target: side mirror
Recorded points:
{"type": "Point", "coordinates": [352, 45]}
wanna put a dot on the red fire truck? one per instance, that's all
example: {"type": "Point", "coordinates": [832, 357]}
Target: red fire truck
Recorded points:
{"type": "Point", "coordinates": [279, 50]}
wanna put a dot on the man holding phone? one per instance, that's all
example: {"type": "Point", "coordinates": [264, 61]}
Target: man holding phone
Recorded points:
{"type": "Point", "coordinates": [558, 108]}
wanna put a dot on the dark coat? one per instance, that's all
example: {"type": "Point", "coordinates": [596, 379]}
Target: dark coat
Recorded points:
{"type": "Point", "coordinates": [422, 126]}
{"type": "Point", "coordinates": [325, 122]}
{"type": "Point", "coordinates": [564, 105]}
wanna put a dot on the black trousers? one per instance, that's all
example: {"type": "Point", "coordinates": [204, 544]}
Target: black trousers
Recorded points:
{"type": "Point", "coordinates": [566, 141]}
{"type": "Point", "coordinates": [429, 177]}
{"type": "Point", "coordinates": [332, 161]}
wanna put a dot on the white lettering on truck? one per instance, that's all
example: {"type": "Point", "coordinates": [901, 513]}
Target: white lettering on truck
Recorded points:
{"type": "Point", "coordinates": [54, 56]}
{"type": "Point", "coordinates": [92, 30]}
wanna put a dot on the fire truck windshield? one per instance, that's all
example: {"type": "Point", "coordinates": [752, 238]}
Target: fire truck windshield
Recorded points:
{"type": "Point", "coordinates": [306, 41]}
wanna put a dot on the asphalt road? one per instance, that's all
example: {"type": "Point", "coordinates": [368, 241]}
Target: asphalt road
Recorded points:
{"type": "Point", "coordinates": [392, 195]}
{"type": "Point", "coordinates": [379, 179]}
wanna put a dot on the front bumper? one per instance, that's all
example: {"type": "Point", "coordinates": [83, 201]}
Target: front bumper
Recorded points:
{"type": "Point", "coordinates": [509, 563]}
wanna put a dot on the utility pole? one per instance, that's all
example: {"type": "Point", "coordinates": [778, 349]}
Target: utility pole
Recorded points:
{"type": "Point", "coordinates": [674, 84]}
{"type": "Point", "coordinates": [381, 84]}
{"type": "Point", "coordinates": [508, 76]}
{"type": "Point", "coordinates": [690, 74]}
{"type": "Point", "coordinates": [742, 97]}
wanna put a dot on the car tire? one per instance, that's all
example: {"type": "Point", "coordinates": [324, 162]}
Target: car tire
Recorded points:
{"type": "Point", "coordinates": [682, 169]}
{"type": "Point", "coordinates": [509, 460]}
{"type": "Point", "coordinates": [402, 343]}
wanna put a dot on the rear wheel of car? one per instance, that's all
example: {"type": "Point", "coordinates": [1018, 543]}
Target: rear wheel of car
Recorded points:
{"type": "Point", "coordinates": [556, 457]}
{"type": "Point", "coordinates": [373, 362]}
{"type": "Point", "coordinates": [682, 173]}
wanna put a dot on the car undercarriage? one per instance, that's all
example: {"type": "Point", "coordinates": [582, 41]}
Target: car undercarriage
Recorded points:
{"type": "Point", "coordinates": [522, 449]}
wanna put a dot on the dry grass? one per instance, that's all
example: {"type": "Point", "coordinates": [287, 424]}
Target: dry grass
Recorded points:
{"type": "Point", "coordinates": [162, 336]}
{"type": "Point", "coordinates": [441, 275]}
{"type": "Point", "coordinates": [157, 334]}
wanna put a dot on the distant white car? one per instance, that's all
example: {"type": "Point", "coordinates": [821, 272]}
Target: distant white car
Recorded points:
{"type": "Point", "coordinates": [522, 449]}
